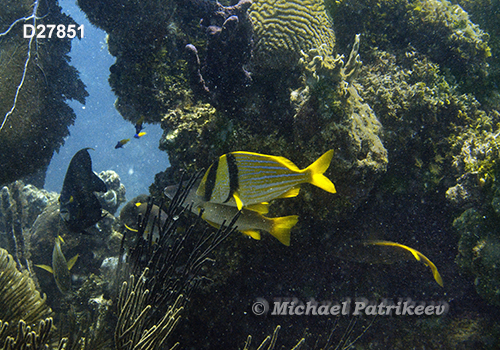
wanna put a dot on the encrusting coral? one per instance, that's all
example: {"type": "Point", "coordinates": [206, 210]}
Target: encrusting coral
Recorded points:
{"type": "Point", "coordinates": [329, 100]}
{"type": "Point", "coordinates": [115, 195]}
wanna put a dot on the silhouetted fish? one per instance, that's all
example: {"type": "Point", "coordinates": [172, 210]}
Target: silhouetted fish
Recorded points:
{"type": "Point", "coordinates": [121, 143]}
{"type": "Point", "coordinates": [138, 125]}
{"type": "Point", "coordinates": [78, 205]}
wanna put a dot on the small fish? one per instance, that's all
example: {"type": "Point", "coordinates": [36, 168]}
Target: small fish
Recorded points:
{"type": "Point", "coordinates": [78, 205]}
{"type": "Point", "coordinates": [138, 125]}
{"type": "Point", "coordinates": [121, 143]}
{"type": "Point", "coordinates": [250, 222]}
{"type": "Point", "coordinates": [245, 178]}
{"type": "Point", "coordinates": [383, 252]}
{"type": "Point", "coordinates": [60, 267]}
{"type": "Point", "coordinates": [139, 205]}
{"type": "Point", "coordinates": [139, 135]}
{"type": "Point", "coordinates": [416, 254]}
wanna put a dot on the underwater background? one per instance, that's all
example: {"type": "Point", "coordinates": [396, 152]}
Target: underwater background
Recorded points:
{"type": "Point", "coordinates": [405, 93]}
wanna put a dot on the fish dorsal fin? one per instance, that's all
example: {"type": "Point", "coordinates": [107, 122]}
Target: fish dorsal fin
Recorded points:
{"type": "Point", "coordinates": [72, 261]}
{"type": "Point", "coordinates": [46, 268]}
{"type": "Point", "coordinates": [293, 192]}
{"type": "Point", "coordinates": [261, 208]}
{"type": "Point", "coordinates": [286, 162]}
{"type": "Point", "coordinates": [97, 184]}
{"type": "Point", "coordinates": [281, 160]}
{"type": "Point", "coordinates": [252, 233]}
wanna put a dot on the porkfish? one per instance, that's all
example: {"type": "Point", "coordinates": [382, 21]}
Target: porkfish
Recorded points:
{"type": "Point", "coordinates": [250, 222]}
{"type": "Point", "coordinates": [244, 178]}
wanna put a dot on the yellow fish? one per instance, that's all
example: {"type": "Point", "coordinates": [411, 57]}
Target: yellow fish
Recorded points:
{"type": "Point", "coordinates": [250, 222]}
{"type": "Point", "coordinates": [60, 267]}
{"type": "Point", "coordinates": [244, 178]}
{"type": "Point", "coordinates": [416, 254]}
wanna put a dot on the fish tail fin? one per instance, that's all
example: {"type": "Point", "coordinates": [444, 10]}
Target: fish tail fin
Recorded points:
{"type": "Point", "coordinates": [317, 169]}
{"type": "Point", "coordinates": [282, 226]}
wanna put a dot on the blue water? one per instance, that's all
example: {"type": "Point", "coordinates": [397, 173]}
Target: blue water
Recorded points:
{"type": "Point", "coordinates": [99, 125]}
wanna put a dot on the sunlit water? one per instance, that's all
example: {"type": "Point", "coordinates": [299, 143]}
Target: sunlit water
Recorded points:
{"type": "Point", "coordinates": [99, 125]}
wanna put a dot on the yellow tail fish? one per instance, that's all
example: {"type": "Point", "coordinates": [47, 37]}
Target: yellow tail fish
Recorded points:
{"type": "Point", "coordinates": [244, 178]}
{"type": "Point", "coordinates": [250, 222]}
{"type": "Point", "coordinates": [416, 254]}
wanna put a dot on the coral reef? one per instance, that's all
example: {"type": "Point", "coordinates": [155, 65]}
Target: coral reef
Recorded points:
{"type": "Point", "coordinates": [480, 12]}
{"type": "Point", "coordinates": [477, 194]}
{"type": "Point", "coordinates": [478, 253]}
{"type": "Point", "coordinates": [439, 29]}
{"type": "Point", "coordinates": [115, 195]}
{"type": "Point", "coordinates": [408, 125]}
{"type": "Point", "coordinates": [20, 206]}
{"type": "Point", "coordinates": [329, 101]}
{"type": "Point", "coordinates": [150, 74]}
{"type": "Point", "coordinates": [222, 77]}
{"type": "Point", "coordinates": [194, 135]}
{"type": "Point", "coordinates": [133, 311]}
{"type": "Point", "coordinates": [19, 298]}
{"type": "Point", "coordinates": [29, 339]}
{"type": "Point", "coordinates": [285, 28]}
{"type": "Point", "coordinates": [35, 82]}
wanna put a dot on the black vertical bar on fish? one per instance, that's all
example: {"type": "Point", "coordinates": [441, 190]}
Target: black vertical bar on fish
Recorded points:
{"type": "Point", "coordinates": [210, 182]}
{"type": "Point", "coordinates": [232, 170]}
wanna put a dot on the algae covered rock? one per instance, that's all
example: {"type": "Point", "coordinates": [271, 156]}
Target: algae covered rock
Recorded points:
{"type": "Point", "coordinates": [150, 73]}
{"type": "Point", "coordinates": [479, 252]}
{"type": "Point", "coordinates": [439, 29]}
{"type": "Point", "coordinates": [35, 82]}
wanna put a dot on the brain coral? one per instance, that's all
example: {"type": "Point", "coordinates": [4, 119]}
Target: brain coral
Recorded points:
{"type": "Point", "coordinates": [285, 27]}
